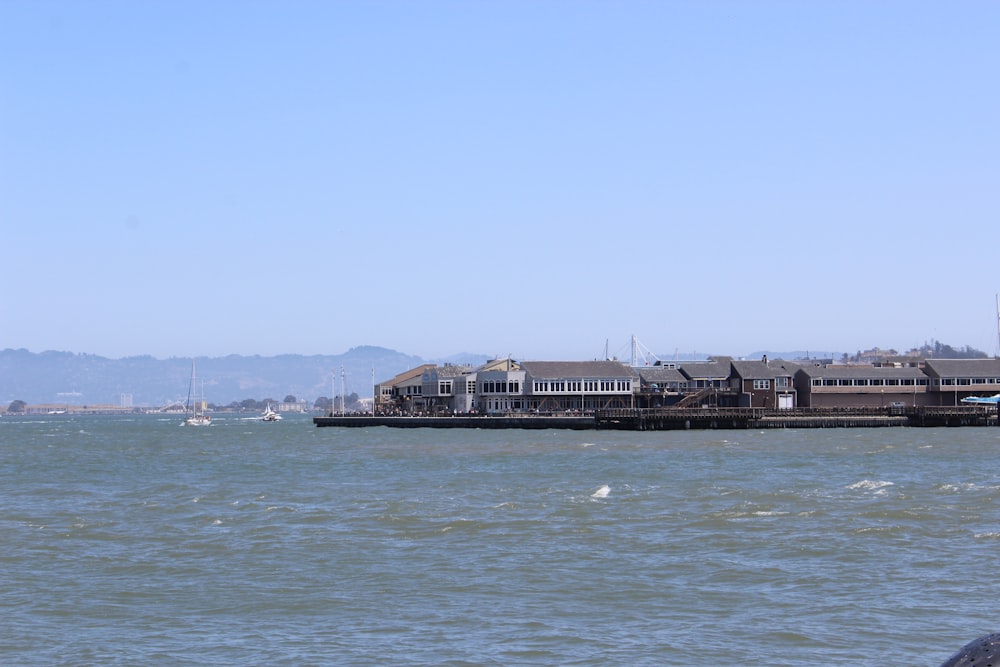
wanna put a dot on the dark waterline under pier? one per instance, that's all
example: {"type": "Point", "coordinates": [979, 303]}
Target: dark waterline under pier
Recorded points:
{"type": "Point", "coordinates": [690, 419]}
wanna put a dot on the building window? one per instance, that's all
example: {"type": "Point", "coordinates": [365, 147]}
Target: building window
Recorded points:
{"type": "Point", "coordinates": [761, 384]}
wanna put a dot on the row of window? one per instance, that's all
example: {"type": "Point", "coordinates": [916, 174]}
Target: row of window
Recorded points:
{"type": "Point", "coordinates": [606, 386]}
{"type": "Point", "coordinates": [577, 386]}
{"type": "Point", "coordinates": [964, 382]}
{"type": "Point", "coordinates": [514, 387]}
{"type": "Point", "coordinates": [500, 386]}
{"type": "Point", "coordinates": [609, 386]}
{"type": "Point", "coordinates": [869, 382]}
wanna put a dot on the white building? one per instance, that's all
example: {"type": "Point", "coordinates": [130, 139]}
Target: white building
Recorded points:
{"type": "Point", "coordinates": [503, 386]}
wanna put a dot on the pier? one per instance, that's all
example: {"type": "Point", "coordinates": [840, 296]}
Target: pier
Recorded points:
{"type": "Point", "coordinates": [670, 419]}
{"type": "Point", "coordinates": [675, 419]}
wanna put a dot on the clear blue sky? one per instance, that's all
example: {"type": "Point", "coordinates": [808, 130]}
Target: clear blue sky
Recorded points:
{"type": "Point", "coordinates": [535, 178]}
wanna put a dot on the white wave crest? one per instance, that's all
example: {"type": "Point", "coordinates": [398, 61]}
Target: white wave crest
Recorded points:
{"type": "Point", "coordinates": [870, 485]}
{"type": "Point", "coordinates": [601, 492]}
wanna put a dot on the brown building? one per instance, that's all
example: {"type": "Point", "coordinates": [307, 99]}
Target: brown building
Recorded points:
{"type": "Point", "coordinates": [764, 384]}
{"type": "Point", "coordinates": [951, 380]}
{"type": "Point", "coordinates": [860, 386]}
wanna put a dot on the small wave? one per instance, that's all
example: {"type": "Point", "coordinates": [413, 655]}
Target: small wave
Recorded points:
{"type": "Point", "coordinates": [740, 514]}
{"type": "Point", "coordinates": [601, 492]}
{"type": "Point", "coordinates": [279, 508]}
{"type": "Point", "coordinates": [876, 529]}
{"type": "Point", "coordinates": [958, 488]}
{"type": "Point", "coordinates": [989, 535]}
{"type": "Point", "coordinates": [870, 485]}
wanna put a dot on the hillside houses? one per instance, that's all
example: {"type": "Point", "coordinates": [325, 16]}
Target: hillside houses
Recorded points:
{"type": "Point", "coordinates": [507, 386]}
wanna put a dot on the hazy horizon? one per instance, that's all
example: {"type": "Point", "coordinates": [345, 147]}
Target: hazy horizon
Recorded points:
{"type": "Point", "coordinates": [622, 353]}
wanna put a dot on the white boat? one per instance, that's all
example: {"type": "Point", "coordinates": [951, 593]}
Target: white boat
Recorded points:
{"type": "Point", "coordinates": [270, 415]}
{"type": "Point", "coordinates": [983, 400]}
{"type": "Point", "coordinates": [195, 406]}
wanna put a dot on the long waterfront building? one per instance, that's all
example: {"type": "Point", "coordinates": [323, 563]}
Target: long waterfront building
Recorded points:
{"type": "Point", "coordinates": [507, 386]}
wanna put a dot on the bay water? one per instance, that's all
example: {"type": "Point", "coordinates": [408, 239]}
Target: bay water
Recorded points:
{"type": "Point", "coordinates": [136, 541]}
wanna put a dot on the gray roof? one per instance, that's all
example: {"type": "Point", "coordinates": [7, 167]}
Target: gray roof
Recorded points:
{"type": "Point", "coordinates": [758, 370]}
{"type": "Point", "coordinates": [963, 368]}
{"type": "Point", "coordinates": [660, 375]}
{"type": "Point", "coordinates": [712, 370]}
{"type": "Point", "coordinates": [453, 370]}
{"type": "Point", "coordinates": [861, 372]}
{"type": "Point", "coordinates": [577, 369]}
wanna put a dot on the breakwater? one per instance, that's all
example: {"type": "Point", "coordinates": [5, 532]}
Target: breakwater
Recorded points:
{"type": "Point", "coordinates": [669, 419]}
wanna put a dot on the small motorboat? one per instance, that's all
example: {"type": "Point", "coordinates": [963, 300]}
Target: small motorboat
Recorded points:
{"type": "Point", "coordinates": [270, 415]}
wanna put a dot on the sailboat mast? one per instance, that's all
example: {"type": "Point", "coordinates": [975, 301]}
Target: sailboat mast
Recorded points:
{"type": "Point", "coordinates": [193, 390]}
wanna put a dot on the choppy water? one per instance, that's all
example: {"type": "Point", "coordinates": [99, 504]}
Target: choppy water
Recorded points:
{"type": "Point", "coordinates": [134, 541]}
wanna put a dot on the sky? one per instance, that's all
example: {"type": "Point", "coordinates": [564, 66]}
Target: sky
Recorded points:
{"type": "Point", "coordinates": [543, 179]}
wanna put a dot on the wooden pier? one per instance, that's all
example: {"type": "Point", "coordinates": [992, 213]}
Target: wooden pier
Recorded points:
{"type": "Point", "coordinates": [669, 419]}
{"type": "Point", "coordinates": [673, 419]}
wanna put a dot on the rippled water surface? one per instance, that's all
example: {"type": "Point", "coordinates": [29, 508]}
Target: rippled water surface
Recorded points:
{"type": "Point", "coordinates": [131, 541]}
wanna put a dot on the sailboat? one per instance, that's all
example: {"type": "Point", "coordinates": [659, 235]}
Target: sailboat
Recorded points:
{"type": "Point", "coordinates": [195, 405]}
{"type": "Point", "coordinates": [270, 415]}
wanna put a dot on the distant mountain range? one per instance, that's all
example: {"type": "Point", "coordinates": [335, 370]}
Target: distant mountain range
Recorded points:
{"type": "Point", "coordinates": [86, 379]}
